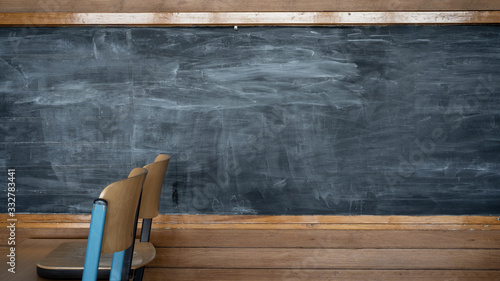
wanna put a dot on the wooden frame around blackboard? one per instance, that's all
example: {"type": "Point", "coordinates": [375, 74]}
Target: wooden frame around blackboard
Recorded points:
{"type": "Point", "coordinates": [256, 12]}
{"type": "Point", "coordinates": [249, 18]}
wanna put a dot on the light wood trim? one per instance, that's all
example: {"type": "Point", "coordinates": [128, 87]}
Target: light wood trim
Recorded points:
{"type": "Point", "coordinates": [191, 274]}
{"type": "Point", "coordinates": [134, 6]}
{"type": "Point", "coordinates": [255, 219]}
{"type": "Point", "coordinates": [230, 219]}
{"type": "Point", "coordinates": [249, 18]}
{"type": "Point", "coordinates": [48, 218]}
{"type": "Point", "coordinates": [285, 226]}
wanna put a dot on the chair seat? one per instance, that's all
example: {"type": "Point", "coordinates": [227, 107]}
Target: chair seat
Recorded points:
{"type": "Point", "coordinates": [66, 260]}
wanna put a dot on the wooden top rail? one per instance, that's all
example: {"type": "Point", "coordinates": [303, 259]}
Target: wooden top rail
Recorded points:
{"type": "Point", "coordinates": [256, 12]}
{"type": "Point", "coordinates": [250, 18]}
{"type": "Point", "coordinates": [190, 6]}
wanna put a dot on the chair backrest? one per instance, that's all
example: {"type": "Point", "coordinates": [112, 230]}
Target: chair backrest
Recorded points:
{"type": "Point", "coordinates": [123, 198]}
{"type": "Point", "coordinates": [150, 201]}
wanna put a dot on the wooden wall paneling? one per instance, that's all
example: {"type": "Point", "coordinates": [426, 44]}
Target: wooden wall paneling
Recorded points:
{"type": "Point", "coordinates": [289, 248]}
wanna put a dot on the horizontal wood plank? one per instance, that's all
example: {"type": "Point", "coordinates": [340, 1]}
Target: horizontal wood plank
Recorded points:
{"type": "Point", "coordinates": [249, 18]}
{"type": "Point", "coordinates": [211, 219]}
{"type": "Point", "coordinates": [76, 226]}
{"type": "Point", "coordinates": [338, 239]}
{"type": "Point", "coordinates": [429, 259]}
{"type": "Point", "coordinates": [255, 219]}
{"type": "Point", "coordinates": [285, 226]}
{"type": "Point", "coordinates": [391, 239]}
{"type": "Point", "coordinates": [44, 233]}
{"type": "Point", "coordinates": [28, 254]}
{"type": "Point", "coordinates": [184, 263]}
{"type": "Point", "coordinates": [180, 274]}
{"type": "Point", "coordinates": [133, 6]}
{"type": "Point", "coordinates": [54, 218]}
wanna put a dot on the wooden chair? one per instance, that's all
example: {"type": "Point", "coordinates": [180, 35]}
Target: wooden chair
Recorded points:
{"type": "Point", "coordinates": [150, 202]}
{"type": "Point", "coordinates": [141, 252]}
{"type": "Point", "coordinates": [111, 231]}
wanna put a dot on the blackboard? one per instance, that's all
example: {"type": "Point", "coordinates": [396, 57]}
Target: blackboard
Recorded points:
{"type": "Point", "coordinates": [376, 120]}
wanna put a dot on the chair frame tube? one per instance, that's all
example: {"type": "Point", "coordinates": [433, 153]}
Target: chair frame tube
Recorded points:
{"type": "Point", "coordinates": [94, 242]}
{"type": "Point", "coordinates": [146, 230]}
{"type": "Point", "coordinates": [145, 234]}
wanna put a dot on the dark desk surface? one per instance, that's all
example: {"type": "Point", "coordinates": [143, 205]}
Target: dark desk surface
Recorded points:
{"type": "Point", "coordinates": [28, 253]}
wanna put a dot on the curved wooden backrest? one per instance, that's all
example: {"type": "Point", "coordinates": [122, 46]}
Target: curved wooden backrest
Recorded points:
{"type": "Point", "coordinates": [123, 198]}
{"type": "Point", "coordinates": [150, 201]}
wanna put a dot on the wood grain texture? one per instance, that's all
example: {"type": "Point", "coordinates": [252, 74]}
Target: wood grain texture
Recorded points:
{"type": "Point", "coordinates": [71, 255]}
{"type": "Point", "coordinates": [122, 199]}
{"type": "Point", "coordinates": [46, 233]}
{"type": "Point", "coordinates": [305, 257]}
{"type": "Point", "coordinates": [249, 18]}
{"type": "Point", "coordinates": [251, 219]}
{"type": "Point", "coordinates": [218, 219]}
{"type": "Point", "coordinates": [308, 238]}
{"type": "Point", "coordinates": [133, 6]}
{"type": "Point", "coordinates": [254, 219]}
{"type": "Point", "coordinates": [47, 224]}
{"type": "Point", "coordinates": [327, 258]}
{"type": "Point", "coordinates": [27, 255]}
{"type": "Point", "coordinates": [179, 274]}
{"type": "Point", "coordinates": [338, 239]}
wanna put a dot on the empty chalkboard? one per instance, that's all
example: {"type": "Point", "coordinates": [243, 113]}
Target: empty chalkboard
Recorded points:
{"type": "Point", "coordinates": [401, 120]}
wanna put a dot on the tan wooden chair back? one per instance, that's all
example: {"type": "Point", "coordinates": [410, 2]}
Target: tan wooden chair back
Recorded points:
{"type": "Point", "coordinates": [123, 198]}
{"type": "Point", "coordinates": [150, 201]}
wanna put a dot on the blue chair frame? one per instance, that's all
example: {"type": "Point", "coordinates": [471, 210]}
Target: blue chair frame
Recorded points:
{"type": "Point", "coordinates": [97, 234]}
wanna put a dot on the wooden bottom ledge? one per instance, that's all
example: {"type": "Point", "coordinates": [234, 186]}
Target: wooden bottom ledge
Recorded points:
{"type": "Point", "coordinates": [249, 18]}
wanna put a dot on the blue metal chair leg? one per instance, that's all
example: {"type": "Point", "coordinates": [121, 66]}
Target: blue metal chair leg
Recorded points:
{"type": "Point", "coordinates": [94, 241]}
